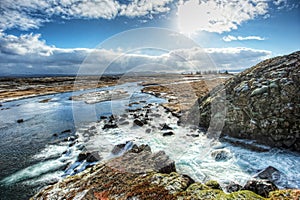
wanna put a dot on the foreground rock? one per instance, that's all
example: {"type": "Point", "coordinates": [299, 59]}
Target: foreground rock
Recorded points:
{"type": "Point", "coordinates": [262, 103]}
{"type": "Point", "coordinates": [141, 174]}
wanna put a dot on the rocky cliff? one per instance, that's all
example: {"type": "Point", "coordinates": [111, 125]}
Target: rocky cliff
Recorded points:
{"type": "Point", "coordinates": [262, 103]}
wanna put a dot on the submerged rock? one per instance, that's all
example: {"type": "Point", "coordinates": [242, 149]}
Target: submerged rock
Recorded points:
{"type": "Point", "coordinates": [261, 103]}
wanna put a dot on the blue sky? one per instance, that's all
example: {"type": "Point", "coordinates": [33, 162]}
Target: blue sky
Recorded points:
{"type": "Point", "coordinates": [58, 37]}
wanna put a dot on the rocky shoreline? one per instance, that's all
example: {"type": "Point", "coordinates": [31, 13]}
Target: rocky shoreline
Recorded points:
{"type": "Point", "coordinates": [141, 174]}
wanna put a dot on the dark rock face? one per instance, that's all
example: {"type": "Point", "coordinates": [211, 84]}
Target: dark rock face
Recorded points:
{"type": "Point", "coordinates": [274, 175]}
{"type": "Point", "coordinates": [233, 187]}
{"type": "Point", "coordinates": [261, 187]}
{"type": "Point", "coordinates": [89, 156]}
{"type": "Point", "coordinates": [262, 103]}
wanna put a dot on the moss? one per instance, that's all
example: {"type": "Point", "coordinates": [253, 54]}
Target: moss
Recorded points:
{"type": "Point", "coordinates": [243, 195]}
{"type": "Point", "coordinates": [213, 185]}
{"type": "Point", "coordinates": [210, 194]}
{"type": "Point", "coordinates": [196, 187]}
{"type": "Point", "coordinates": [284, 194]}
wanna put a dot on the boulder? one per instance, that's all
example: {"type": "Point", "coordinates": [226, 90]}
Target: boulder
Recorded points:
{"type": "Point", "coordinates": [272, 174]}
{"type": "Point", "coordinates": [261, 103]}
{"type": "Point", "coordinates": [110, 125]}
{"type": "Point", "coordinates": [261, 187]}
{"type": "Point", "coordinates": [89, 156]}
{"type": "Point", "coordinates": [233, 187]}
{"type": "Point", "coordinates": [166, 127]}
{"type": "Point", "coordinates": [221, 154]}
{"type": "Point", "coordinates": [170, 133]}
{"type": "Point", "coordinates": [20, 121]}
{"type": "Point", "coordinates": [138, 122]}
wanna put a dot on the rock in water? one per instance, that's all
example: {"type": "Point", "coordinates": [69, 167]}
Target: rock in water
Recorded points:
{"type": "Point", "coordinates": [221, 155]}
{"type": "Point", "coordinates": [138, 122]}
{"type": "Point", "coordinates": [274, 175]}
{"type": "Point", "coordinates": [170, 133]}
{"type": "Point", "coordinates": [20, 121]}
{"type": "Point", "coordinates": [262, 103]}
{"type": "Point", "coordinates": [166, 127]}
{"type": "Point", "coordinates": [261, 187]}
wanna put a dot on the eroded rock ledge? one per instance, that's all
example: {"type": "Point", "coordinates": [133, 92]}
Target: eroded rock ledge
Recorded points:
{"type": "Point", "coordinates": [141, 174]}
{"type": "Point", "coordinates": [262, 103]}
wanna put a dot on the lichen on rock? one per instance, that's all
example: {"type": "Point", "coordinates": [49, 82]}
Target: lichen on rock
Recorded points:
{"type": "Point", "coordinates": [262, 103]}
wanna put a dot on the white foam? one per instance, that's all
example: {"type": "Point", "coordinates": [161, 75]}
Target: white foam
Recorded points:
{"type": "Point", "coordinates": [33, 171]}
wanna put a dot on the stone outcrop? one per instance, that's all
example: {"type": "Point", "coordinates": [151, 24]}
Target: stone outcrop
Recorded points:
{"type": "Point", "coordinates": [140, 174]}
{"type": "Point", "coordinates": [262, 103]}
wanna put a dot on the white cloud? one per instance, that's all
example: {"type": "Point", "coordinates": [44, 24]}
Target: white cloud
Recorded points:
{"type": "Point", "coordinates": [217, 16]}
{"type": "Point", "coordinates": [25, 14]}
{"type": "Point", "coordinates": [230, 38]}
{"type": "Point", "coordinates": [29, 54]}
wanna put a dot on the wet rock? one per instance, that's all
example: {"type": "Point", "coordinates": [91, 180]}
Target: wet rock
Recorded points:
{"type": "Point", "coordinates": [137, 149]}
{"type": "Point", "coordinates": [89, 156]}
{"type": "Point", "coordinates": [138, 122]}
{"type": "Point", "coordinates": [261, 187]}
{"type": "Point", "coordinates": [233, 187]}
{"type": "Point", "coordinates": [148, 130]}
{"type": "Point", "coordinates": [45, 100]}
{"type": "Point", "coordinates": [20, 120]}
{"type": "Point", "coordinates": [166, 127]}
{"type": "Point", "coordinates": [272, 174]}
{"type": "Point", "coordinates": [109, 126]}
{"type": "Point", "coordinates": [120, 147]}
{"type": "Point", "coordinates": [193, 134]}
{"type": "Point", "coordinates": [55, 135]}
{"type": "Point", "coordinates": [170, 133]}
{"type": "Point", "coordinates": [221, 154]}
{"type": "Point", "coordinates": [93, 157]}
{"type": "Point", "coordinates": [66, 131]}
{"type": "Point", "coordinates": [124, 123]}
{"type": "Point", "coordinates": [0, 105]}
{"type": "Point", "coordinates": [103, 117]}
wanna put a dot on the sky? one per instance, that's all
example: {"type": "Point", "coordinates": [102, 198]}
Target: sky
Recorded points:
{"type": "Point", "coordinates": [119, 36]}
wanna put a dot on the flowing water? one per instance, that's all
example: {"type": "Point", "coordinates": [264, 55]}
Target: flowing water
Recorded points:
{"type": "Point", "coordinates": [44, 148]}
